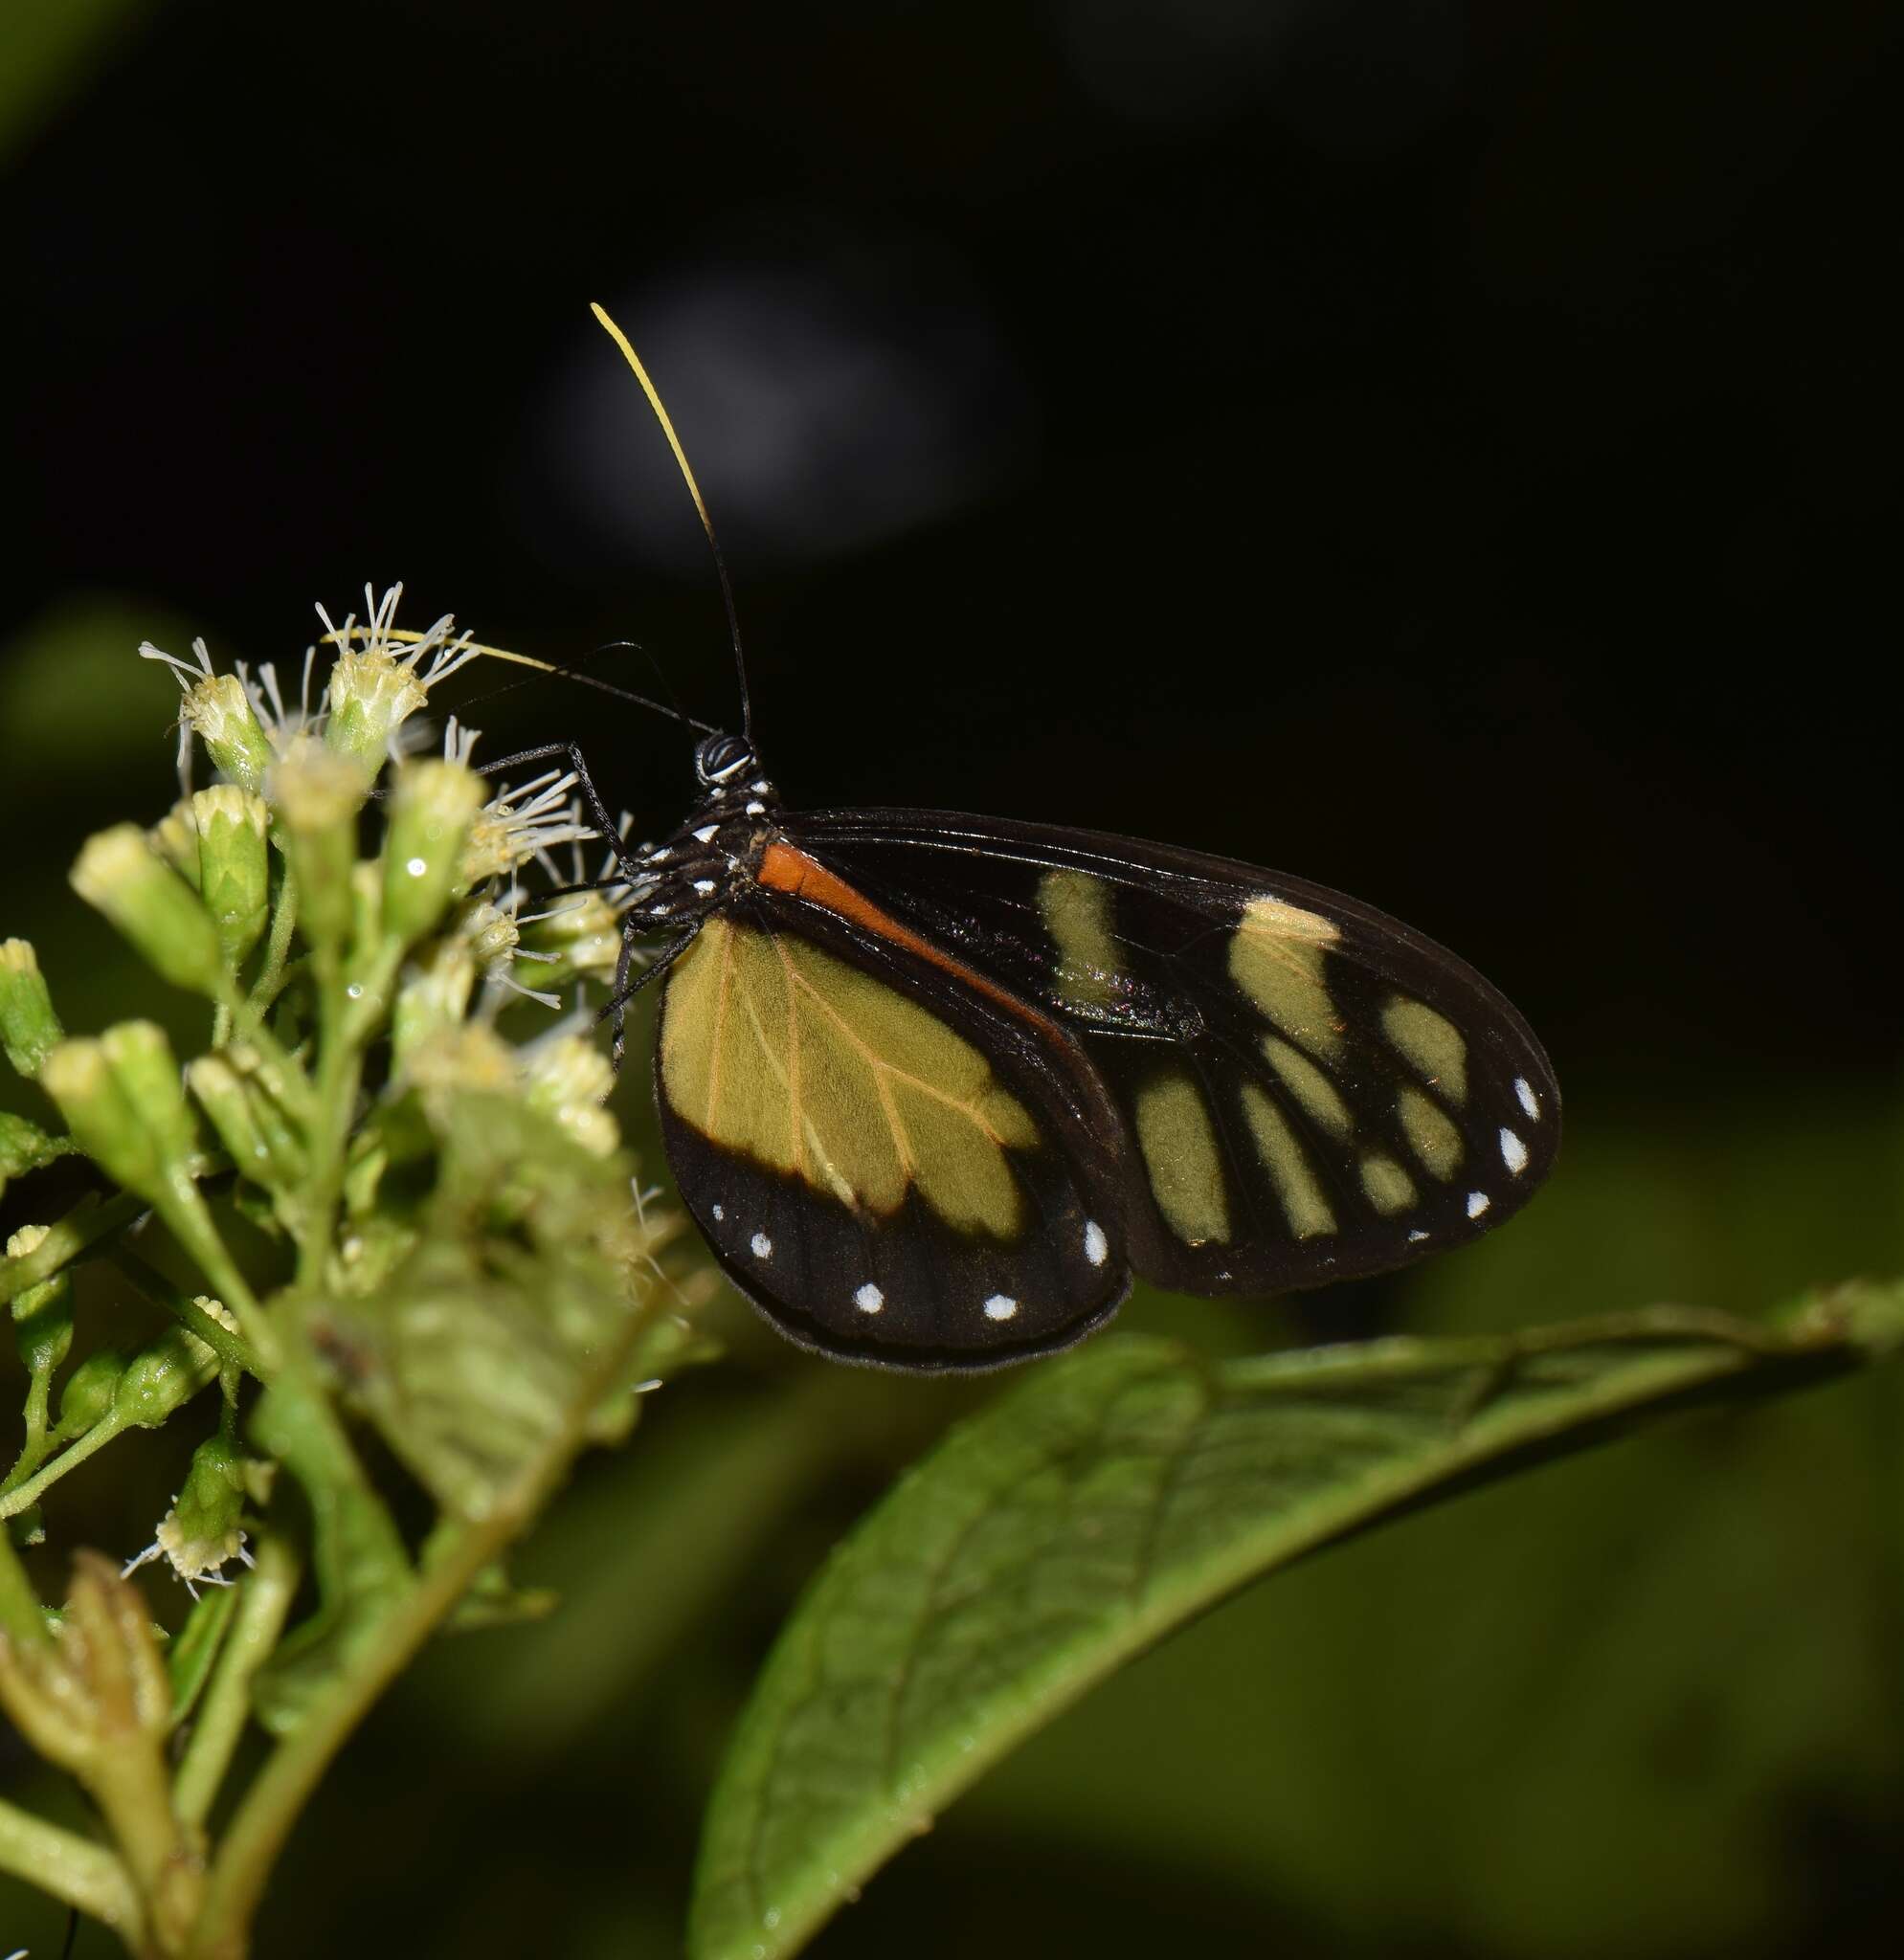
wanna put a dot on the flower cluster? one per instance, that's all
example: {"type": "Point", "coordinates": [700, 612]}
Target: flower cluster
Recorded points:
{"type": "Point", "coordinates": [459, 1262]}
{"type": "Point", "coordinates": [307, 766]}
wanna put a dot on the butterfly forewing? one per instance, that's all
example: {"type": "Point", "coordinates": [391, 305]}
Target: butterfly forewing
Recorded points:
{"type": "Point", "coordinates": [1305, 1089]}
{"type": "Point", "coordinates": [896, 1164]}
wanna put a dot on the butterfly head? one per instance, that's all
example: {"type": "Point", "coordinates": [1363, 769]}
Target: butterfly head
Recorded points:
{"type": "Point", "coordinates": [731, 784]}
{"type": "Point", "coordinates": [722, 760]}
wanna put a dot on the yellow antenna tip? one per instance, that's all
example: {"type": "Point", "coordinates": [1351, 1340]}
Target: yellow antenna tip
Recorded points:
{"type": "Point", "coordinates": [648, 388]}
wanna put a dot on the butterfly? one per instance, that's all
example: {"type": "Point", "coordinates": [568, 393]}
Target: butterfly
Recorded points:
{"type": "Point", "coordinates": [935, 1088]}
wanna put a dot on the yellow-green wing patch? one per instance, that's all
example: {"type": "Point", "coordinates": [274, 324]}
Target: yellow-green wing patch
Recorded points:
{"type": "Point", "coordinates": [777, 1050]}
{"type": "Point", "coordinates": [1431, 1132]}
{"type": "Point", "coordinates": [1186, 1172]}
{"type": "Point", "coordinates": [1075, 909]}
{"type": "Point", "coordinates": [1276, 957]}
{"type": "Point", "coordinates": [1389, 1188]}
{"type": "Point", "coordinates": [1320, 1100]}
{"type": "Point", "coordinates": [1432, 1043]}
{"type": "Point", "coordinates": [1297, 1188]}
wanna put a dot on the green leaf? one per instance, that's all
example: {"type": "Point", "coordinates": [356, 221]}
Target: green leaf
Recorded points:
{"type": "Point", "coordinates": [1115, 1496]}
{"type": "Point", "coordinates": [196, 1652]}
{"type": "Point", "coordinates": [363, 1573]}
{"type": "Point", "coordinates": [470, 1354]}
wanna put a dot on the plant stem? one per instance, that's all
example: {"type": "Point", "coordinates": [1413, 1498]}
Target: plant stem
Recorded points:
{"type": "Point", "coordinates": [22, 1619]}
{"type": "Point", "coordinates": [85, 1224]}
{"type": "Point", "coordinates": [336, 1092]}
{"type": "Point", "coordinates": [264, 1600]}
{"type": "Point", "coordinates": [232, 1349]}
{"type": "Point", "coordinates": [39, 1439]}
{"type": "Point", "coordinates": [275, 971]}
{"type": "Point", "coordinates": [95, 1440]}
{"type": "Point", "coordinates": [75, 1871]}
{"type": "Point", "coordinates": [270, 1807]}
{"type": "Point", "coordinates": [263, 1820]}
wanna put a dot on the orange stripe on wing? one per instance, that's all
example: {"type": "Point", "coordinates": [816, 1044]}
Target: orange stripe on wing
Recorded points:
{"type": "Point", "coordinates": [784, 869]}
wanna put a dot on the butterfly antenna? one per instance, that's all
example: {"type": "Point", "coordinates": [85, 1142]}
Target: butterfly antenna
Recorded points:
{"type": "Point", "coordinates": [633, 360]}
{"type": "Point", "coordinates": [349, 633]}
{"type": "Point", "coordinates": [653, 660]}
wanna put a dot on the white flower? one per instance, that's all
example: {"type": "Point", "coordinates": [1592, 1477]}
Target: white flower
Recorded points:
{"type": "Point", "coordinates": [194, 1561]}
{"type": "Point", "coordinates": [523, 823]}
{"type": "Point", "coordinates": [382, 675]}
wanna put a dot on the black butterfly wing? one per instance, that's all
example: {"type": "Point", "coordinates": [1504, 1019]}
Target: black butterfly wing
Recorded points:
{"type": "Point", "coordinates": [1305, 1089]}
{"type": "Point", "coordinates": [898, 1166]}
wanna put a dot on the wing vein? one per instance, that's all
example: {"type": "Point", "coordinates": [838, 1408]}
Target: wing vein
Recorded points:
{"type": "Point", "coordinates": [880, 1069]}
{"type": "Point", "coordinates": [721, 997]}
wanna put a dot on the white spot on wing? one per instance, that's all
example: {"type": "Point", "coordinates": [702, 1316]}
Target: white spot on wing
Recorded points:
{"type": "Point", "coordinates": [720, 1213]}
{"type": "Point", "coordinates": [703, 885]}
{"type": "Point", "coordinates": [1478, 1202]}
{"type": "Point", "coordinates": [1001, 1306]}
{"type": "Point", "coordinates": [1097, 1247]}
{"type": "Point", "coordinates": [763, 1246]}
{"type": "Point", "coordinates": [1514, 1153]}
{"type": "Point", "coordinates": [869, 1299]}
{"type": "Point", "coordinates": [1416, 1237]}
{"type": "Point", "coordinates": [1529, 1101]}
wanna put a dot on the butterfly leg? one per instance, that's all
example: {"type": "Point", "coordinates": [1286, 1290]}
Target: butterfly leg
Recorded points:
{"type": "Point", "coordinates": [598, 816]}
{"type": "Point", "coordinates": [616, 1007]}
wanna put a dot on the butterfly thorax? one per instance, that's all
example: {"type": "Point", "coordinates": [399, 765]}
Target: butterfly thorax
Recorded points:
{"type": "Point", "coordinates": [684, 876]}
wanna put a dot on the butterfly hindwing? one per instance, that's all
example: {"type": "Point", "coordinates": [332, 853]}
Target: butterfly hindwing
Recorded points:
{"type": "Point", "coordinates": [1306, 1090]}
{"type": "Point", "coordinates": [895, 1166]}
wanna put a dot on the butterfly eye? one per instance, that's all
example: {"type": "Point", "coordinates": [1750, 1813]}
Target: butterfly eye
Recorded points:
{"type": "Point", "coordinates": [720, 758]}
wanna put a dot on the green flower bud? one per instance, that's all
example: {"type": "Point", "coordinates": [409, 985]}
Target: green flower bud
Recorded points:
{"type": "Point", "coordinates": [119, 873]}
{"type": "Point", "coordinates": [263, 1142]}
{"type": "Point", "coordinates": [318, 794]}
{"type": "Point", "coordinates": [24, 1146]}
{"type": "Point", "coordinates": [581, 932]}
{"type": "Point", "coordinates": [42, 1314]}
{"type": "Point", "coordinates": [89, 1394]}
{"type": "Point", "coordinates": [166, 1374]}
{"type": "Point", "coordinates": [216, 709]}
{"type": "Point", "coordinates": [77, 1077]}
{"type": "Point", "coordinates": [28, 1028]}
{"type": "Point", "coordinates": [371, 696]}
{"type": "Point", "coordinates": [176, 838]}
{"type": "Point", "coordinates": [489, 933]}
{"type": "Point", "coordinates": [233, 873]}
{"type": "Point", "coordinates": [221, 1093]}
{"type": "Point", "coordinates": [433, 997]}
{"type": "Point", "coordinates": [569, 1078]}
{"type": "Point", "coordinates": [460, 1062]}
{"type": "Point", "coordinates": [122, 1097]}
{"type": "Point", "coordinates": [140, 1056]}
{"type": "Point", "coordinates": [432, 807]}
{"type": "Point", "coordinates": [201, 1532]}
{"type": "Point", "coordinates": [366, 905]}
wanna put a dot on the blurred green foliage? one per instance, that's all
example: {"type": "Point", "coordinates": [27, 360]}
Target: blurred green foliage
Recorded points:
{"type": "Point", "coordinates": [1115, 1495]}
{"type": "Point", "coordinates": [53, 47]}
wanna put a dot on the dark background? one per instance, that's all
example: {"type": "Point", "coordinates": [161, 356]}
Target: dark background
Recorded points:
{"type": "Point", "coordinates": [1445, 452]}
